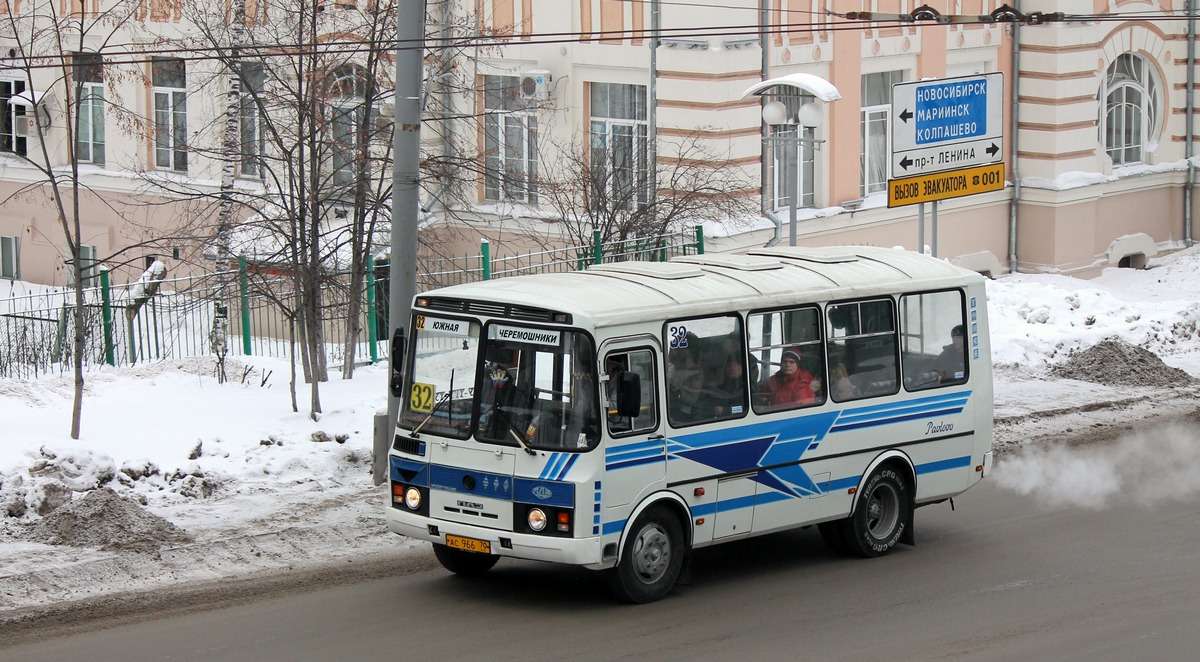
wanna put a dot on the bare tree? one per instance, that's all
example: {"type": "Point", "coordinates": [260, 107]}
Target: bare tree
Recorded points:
{"type": "Point", "coordinates": [66, 53]}
{"type": "Point", "coordinates": [303, 140]}
{"type": "Point", "coordinates": [591, 190]}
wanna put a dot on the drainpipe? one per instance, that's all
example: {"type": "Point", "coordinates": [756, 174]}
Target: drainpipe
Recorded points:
{"type": "Point", "coordinates": [1016, 177]}
{"type": "Point", "coordinates": [1190, 121]}
{"type": "Point", "coordinates": [763, 20]}
{"type": "Point", "coordinates": [652, 130]}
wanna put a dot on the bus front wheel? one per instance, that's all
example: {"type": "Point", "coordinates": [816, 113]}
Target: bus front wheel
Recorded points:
{"type": "Point", "coordinates": [880, 515]}
{"type": "Point", "coordinates": [651, 559]}
{"type": "Point", "coordinates": [466, 564]}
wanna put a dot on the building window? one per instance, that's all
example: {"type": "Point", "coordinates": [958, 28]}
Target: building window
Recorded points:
{"type": "Point", "coordinates": [876, 109]}
{"type": "Point", "coordinates": [88, 72]}
{"type": "Point", "coordinates": [9, 112]}
{"type": "Point", "coordinates": [618, 146]}
{"type": "Point", "coordinates": [86, 263]}
{"type": "Point", "coordinates": [348, 95]}
{"type": "Point", "coordinates": [792, 156]}
{"type": "Point", "coordinates": [1129, 114]}
{"type": "Point", "coordinates": [510, 132]}
{"type": "Point", "coordinates": [10, 257]}
{"type": "Point", "coordinates": [168, 76]}
{"type": "Point", "coordinates": [253, 80]}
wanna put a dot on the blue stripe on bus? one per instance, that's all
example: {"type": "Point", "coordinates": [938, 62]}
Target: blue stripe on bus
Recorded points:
{"type": "Point", "coordinates": [895, 408]}
{"type": "Point", "coordinates": [943, 465]}
{"type": "Point", "coordinates": [887, 406]}
{"type": "Point", "coordinates": [647, 452]}
{"type": "Point", "coordinates": [562, 475]}
{"type": "Point", "coordinates": [896, 419]}
{"type": "Point", "coordinates": [634, 463]}
{"type": "Point", "coordinates": [614, 527]}
{"type": "Point", "coordinates": [626, 448]}
{"type": "Point", "coordinates": [852, 416]}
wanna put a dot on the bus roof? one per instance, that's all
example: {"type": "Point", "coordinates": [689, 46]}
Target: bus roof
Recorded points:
{"type": "Point", "coordinates": [621, 292]}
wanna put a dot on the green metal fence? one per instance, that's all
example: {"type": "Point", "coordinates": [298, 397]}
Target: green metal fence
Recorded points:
{"type": "Point", "coordinates": [244, 313]}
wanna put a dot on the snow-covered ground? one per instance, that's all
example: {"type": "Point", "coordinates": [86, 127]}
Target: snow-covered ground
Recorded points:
{"type": "Point", "coordinates": [252, 487]}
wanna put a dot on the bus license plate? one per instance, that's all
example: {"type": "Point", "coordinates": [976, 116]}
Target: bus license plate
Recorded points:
{"type": "Point", "coordinates": [469, 544]}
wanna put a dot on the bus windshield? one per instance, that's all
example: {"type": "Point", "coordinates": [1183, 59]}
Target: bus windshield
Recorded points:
{"type": "Point", "coordinates": [442, 387]}
{"type": "Point", "coordinates": [513, 385]}
{"type": "Point", "coordinates": [538, 388]}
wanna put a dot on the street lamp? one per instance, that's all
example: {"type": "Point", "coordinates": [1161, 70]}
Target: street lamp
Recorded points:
{"type": "Point", "coordinates": [789, 134]}
{"type": "Point", "coordinates": [779, 118]}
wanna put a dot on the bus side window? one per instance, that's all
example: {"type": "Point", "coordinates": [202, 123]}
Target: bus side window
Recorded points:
{"type": "Point", "coordinates": [933, 348]}
{"type": "Point", "coordinates": [787, 362]}
{"type": "Point", "coordinates": [623, 369]}
{"type": "Point", "coordinates": [706, 370]}
{"type": "Point", "coordinates": [862, 349]}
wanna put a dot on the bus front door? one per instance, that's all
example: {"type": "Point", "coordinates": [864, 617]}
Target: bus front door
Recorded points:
{"type": "Point", "coordinates": [635, 452]}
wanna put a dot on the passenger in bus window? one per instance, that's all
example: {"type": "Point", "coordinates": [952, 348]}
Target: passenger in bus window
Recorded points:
{"type": "Point", "coordinates": [950, 363]}
{"type": "Point", "coordinates": [840, 385]}
{"type": "Point", "coordinates": [791, 385]}
{"type": "Point", "coordinates": [685, 381]}
{"type": "Point", "coordinates": [726, 394]}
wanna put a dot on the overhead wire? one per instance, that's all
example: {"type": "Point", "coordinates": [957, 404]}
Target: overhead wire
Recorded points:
{"type": "Point", "coordinates": [133, 54]}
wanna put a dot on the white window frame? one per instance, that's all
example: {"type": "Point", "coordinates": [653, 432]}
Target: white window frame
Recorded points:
{"type": "Point", "coordinates": [1129, 109]}
{"type": "Point", "coordinates": [89, 134]}
{"type": "Point", "coordinates": [510, 135]}
{"type": "Point", "coordinates": [86, 260]}
{"type": "Point", "coordinates": [170, 124]}
{"type": "Point", "coordinates": [875, 131]}
{"type": "Point", "coordinates": [348, 97]}
{"type": "Point", "coordinates": [251, 133]}
{"type": "Point", "coordinates": [614, 137]}
{"type": "Point", "coordinates": [10, 143]}
{"type": "Point", "coordinates": [10, 258]}
{"type": "Point", "coordinates": [89, 116]}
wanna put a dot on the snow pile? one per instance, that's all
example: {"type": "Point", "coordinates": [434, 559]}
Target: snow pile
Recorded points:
{"type": "Point", "coordinates": [1037, 320]}
{"type": "Point", "coordinates": [106, 521]}
{"type": "Point", "coordinates": [1114, 362]}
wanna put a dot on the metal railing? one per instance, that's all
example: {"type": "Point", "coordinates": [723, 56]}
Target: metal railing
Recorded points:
{"type": "Point", "coordinates": [225, 311]}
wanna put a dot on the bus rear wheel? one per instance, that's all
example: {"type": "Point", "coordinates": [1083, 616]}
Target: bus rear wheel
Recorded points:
{"type": "Point", "coordinates": [880, 514]}
{"type": "Point", "coordinates": [651, 558]}
{"type": "Point", "coordinates": [466, 564]}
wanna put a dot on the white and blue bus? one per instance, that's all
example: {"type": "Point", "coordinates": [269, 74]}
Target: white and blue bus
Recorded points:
{"type": "Point", "coordinates": [619, 417]}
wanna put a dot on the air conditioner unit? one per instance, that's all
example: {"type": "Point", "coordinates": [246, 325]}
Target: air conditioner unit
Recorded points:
{"type": "Point", "coordinates": [25, 126]}
{"type": "Point", "coordinates": [535, 84]}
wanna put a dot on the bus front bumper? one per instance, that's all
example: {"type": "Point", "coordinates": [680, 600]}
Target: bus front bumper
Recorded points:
{"type": "Point", "coordinates": [573, 551]}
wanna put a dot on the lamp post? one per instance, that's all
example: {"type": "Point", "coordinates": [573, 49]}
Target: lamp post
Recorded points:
{"type": "Point", "coordinates": [808, 116]}
{"type": "Point", "coordinates": [777, 115]}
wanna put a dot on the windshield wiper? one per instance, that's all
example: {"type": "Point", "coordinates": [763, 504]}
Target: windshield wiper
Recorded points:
{"type": "Point", "coordinates": [512, 429]}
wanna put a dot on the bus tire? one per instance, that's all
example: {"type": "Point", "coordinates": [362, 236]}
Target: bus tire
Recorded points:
{"type": "Point", "coordinates": [651, 559]}
{"type": "Point", "coordinates": [464, 564]}
{"type": "Point", "coordinates": [880, 515]}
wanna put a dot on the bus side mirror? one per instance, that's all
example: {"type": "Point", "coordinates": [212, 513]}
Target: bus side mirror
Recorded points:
{"type": "Point", "coordinates": [396, 382]}
{"type": "Point", "coordinates": [629, 394]}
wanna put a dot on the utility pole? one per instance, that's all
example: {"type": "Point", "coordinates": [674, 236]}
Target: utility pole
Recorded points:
{"type": "Point", "coordinates": [406, 190]}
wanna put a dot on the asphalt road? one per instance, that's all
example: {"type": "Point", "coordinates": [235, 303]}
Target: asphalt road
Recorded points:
{"type": "Point", "coordinates": [999, 577]}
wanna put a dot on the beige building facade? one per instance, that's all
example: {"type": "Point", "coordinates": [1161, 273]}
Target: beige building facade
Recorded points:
{"type": "Point", "coordinates": [1095, 105]}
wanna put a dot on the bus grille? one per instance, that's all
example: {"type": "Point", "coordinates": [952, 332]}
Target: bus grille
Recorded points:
{"type": "Point", "coordinates": [410, 446]}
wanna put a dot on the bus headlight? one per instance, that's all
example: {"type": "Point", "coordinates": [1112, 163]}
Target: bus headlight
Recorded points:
{"type": "Point", "coordinates": [536, 519]}
{"type": "Point", "coordinates": [412, 498]}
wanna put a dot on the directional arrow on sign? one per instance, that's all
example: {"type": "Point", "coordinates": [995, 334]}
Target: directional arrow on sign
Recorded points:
{"type": "Point", "coordinates": [964, 154]}
{"type": "Point", "coordinates": [906, 115]}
